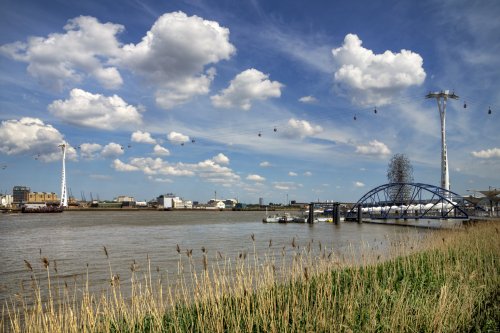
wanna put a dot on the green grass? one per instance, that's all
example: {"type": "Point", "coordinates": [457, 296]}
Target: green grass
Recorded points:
{"type": "Point", "coordinates": [450, 284]}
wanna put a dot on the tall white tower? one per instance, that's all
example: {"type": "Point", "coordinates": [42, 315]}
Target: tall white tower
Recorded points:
{"type": "Point", "coordinates": [64, 193]}
{"type": "Point", "coordinates": [441, 98]}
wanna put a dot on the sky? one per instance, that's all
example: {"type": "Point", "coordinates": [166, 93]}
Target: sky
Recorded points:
{"type": "Point", "coordinates": [246, 99]}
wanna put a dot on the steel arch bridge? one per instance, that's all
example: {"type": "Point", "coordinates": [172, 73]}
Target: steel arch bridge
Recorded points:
{"type": "Point", "coordinates": [409, 201]}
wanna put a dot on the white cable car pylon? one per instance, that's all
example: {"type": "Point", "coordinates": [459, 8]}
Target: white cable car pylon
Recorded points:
{"type": "Point", "coordinates": [64, 193]}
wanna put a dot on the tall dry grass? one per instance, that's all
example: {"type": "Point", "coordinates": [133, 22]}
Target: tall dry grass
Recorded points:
{"type": "Point", "coordinates": [447, 282]}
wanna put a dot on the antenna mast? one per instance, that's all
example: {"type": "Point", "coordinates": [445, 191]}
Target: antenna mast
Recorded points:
{"type": "Point", "coordinates": [64, 194]}
{"type": "Point", "coordinates": [441, 98]}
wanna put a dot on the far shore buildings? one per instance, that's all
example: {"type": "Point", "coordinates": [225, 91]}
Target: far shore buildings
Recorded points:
{"type": "Point", "coordinates": [23, 195]}
{"type": "Point", "coordinates": [6, 200]}
{"type": "Point", "coordinates": [171, 201]}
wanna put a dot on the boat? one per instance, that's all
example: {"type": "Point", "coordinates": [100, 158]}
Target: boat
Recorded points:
{"type": "Point", "coordinates": [300, 219]}
{"type": "Point", "coordinates": [285, 218]}
{"type": "Point", "coordinates": [271, 219]}
{"type": "Point", "coordinates": [34, 208]}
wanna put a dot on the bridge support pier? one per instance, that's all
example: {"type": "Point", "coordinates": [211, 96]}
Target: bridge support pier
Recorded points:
{"type": "Point", "coordinates": [310, 219]}
{"type": "Point", "coordinates": [360, 214]}
{"type": "Point", "coordinates": [336, 213]}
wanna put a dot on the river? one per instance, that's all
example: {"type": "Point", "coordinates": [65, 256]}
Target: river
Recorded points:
{"type": "Point", "coordinates": [75, 240]}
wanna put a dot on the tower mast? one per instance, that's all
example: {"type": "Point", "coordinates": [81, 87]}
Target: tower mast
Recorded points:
{"type": "Point", "coordinates": [441, 98]}
{"type": "Point", "coordinates": [64, 194]}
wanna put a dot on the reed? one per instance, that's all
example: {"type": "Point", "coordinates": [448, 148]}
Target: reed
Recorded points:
{"type": "Point", "coordinates": [447, 282]}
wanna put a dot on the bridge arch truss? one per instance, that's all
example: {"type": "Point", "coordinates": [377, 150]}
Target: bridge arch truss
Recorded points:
{"type": "Point", "coordinates": [410, 201]}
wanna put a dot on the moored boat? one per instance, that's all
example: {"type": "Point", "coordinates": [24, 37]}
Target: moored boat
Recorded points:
{"type": "Point", "coordinates": [271, 219]}
{"type": "Point", "coordinates": [33, 208]}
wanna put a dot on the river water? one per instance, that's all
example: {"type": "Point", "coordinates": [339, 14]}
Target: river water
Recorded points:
{"type": "Point", "coordinates": [75, 241]}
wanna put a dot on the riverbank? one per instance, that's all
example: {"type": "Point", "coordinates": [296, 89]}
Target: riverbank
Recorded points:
{"type": "Point", "coordinates": [448, 282]}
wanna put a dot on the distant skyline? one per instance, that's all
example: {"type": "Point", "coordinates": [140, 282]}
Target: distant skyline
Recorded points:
{"type": "Point", "coordinates": [271, 99]}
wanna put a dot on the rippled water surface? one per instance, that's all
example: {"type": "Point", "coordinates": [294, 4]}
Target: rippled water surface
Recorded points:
{"type": "Point", "coordinates": [75, 240]}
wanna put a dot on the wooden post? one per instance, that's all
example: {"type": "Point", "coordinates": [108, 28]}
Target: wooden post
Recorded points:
{"type": "Point", "coordinates": [311, 213]}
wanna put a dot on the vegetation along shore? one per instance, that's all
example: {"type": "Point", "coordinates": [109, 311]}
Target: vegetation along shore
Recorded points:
{"type": "Point", "coordinates": [446, 282]}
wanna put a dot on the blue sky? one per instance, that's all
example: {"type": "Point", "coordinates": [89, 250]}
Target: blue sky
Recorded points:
{"type": "Point", "coordinates": [171, 96]}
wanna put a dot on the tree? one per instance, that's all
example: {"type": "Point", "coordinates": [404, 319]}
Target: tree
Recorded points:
{"type": "Point", "coordinates": [400, 171]}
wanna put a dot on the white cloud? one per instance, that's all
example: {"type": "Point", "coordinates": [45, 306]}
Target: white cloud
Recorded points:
{"type": "Point", "coordinates": [84, 49]}
{"type": "Point", "coordinates": [142, 137]}
{"type": "Point", "coordinates": [32, 136]}
{"type": "Point", "coordinates": [95, 110]}
{"type": "Point", "coordinates": [100, 177]}
{"type": "Point", "coordinates": [172, 94]}
{"type": "Point", "coordinates": [112, 150]}
{"type": "Point", "coordinates": [308, 99]}
{"type": "Point", "coordinates": [154, 166]}
{"type": "Point", "coordinates": [123, 167]}
{"type": "Point", "coordinates": [212, 172]}
{"type": "Point", "coordinates": [285, 186]}
{"type": "Point", "coordinates": [160, 180]}
{"type": "Point", "coordinates": [264, 164]}
{"type": "Point", "coordinates": [308, 173]}
{"type": "Point", "coordinates": [173, 54]}
{"type": "Point", "coordinates": [160, 151]}
{"type": "Point", "coordinates": [178, 138]}
{"type": "Point", "coordinates": [90, 150]}
{"type": "Point", "coordinates": [256, 178]}
{"type": "Point", "coordinates": [292, 174]}
{"type": "Point", "coordinates": [359, 184]}
{"type": "Point", "coordinates": [301, 129]}
{"type": "Point", "coordinates": [488, 153]}
{"type": "Point", "coordinates": [373, 79]}
{"type": "Point", "coordinates": [374, 147]}
{"type": "Point", "coordinates": [221, 159]}
{"type": "Point", "coordinates": [247, 86]}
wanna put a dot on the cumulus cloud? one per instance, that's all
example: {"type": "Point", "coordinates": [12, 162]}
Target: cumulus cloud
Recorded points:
{"type": "Point", "coordinates": [292, 174]}
{"type": "Point", "coordinates": [32, 136]}
{"type": "Point", "coordinates": [208, 170]}
{"type": "Point", "coordinates": [372, 79]}
{"type": "Point", "coordinates": [142, 137]}
{"type": "Point", "coordinates": [301, 129]}
{"type": "Point", "coordinates": [95, 110]}
{"type": "Point", "coordinates": [256, 178]}
{"type": "Point", "coordinates": [308, 173]}
{"type": "Point", "coordinates": [264, 164]}
{"type": "Point", "coordinates": [123, 167]}
{"type": "Point", "coordinates": [171, 94]}
{"type": "Point", "coordinates": [359, 184]}
{"type": "Point", "coordinates": [160, 151]}
{"type": "Point", "coordinates": [212, 172]}
{"type": "Point", "coordinates": [221, 159]}
{"type": "Point", "coordinates": [178, 138]}
{"type": "Point", "coordinates": [374, 147]}
{"type": "Point", "coordinates": [153, 166]}
{"type": "Point", "coordinates": [488, 153]}
{"type": "Point", "coordinates": [112, 150]}
{"type": "Point", "coordinates": [61, 58]}
{"type": "Point", "coordinates": [174, 53]}
{"type": "Point", "coordinates": [247, 86]}
{"type": "Point", "coordinates": [308, 99]}
{"type": "Point", "coordinates": [90, 150]}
